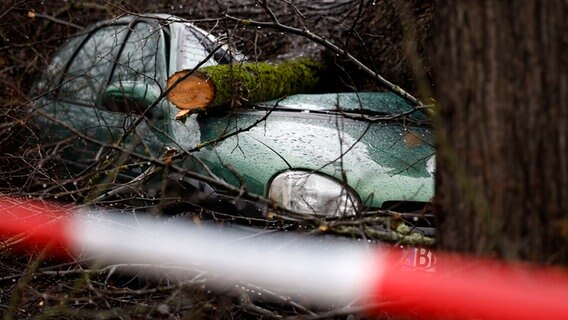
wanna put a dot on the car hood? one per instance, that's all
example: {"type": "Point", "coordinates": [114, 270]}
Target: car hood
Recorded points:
{"type": "Point", "coordinates": [381, 161]}
{"type": "Point", "coordinates": [368, 103]}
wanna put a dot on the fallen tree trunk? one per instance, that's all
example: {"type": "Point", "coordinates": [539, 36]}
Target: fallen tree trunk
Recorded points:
{"type": "Point", "coordinates": [232, 85]}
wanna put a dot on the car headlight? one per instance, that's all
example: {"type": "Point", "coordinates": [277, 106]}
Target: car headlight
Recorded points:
{"type": "Point", "coordinates": [313, 193]}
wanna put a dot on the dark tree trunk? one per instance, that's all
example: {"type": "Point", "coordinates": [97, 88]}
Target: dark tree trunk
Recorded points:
{"type": "Point", "coordinates": [502, 83]}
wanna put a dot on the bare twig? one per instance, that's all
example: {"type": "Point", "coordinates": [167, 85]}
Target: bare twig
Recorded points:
{"type": "Point", "coordinates": [32, 14]}
{"type": "Point", "coordinates": [334, 48]}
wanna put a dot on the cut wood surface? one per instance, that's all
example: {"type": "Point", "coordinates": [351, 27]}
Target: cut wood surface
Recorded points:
{"type": "Point", "coordinates": [249, 82]}
{"type": "Point", "coordinates": [196, 91]}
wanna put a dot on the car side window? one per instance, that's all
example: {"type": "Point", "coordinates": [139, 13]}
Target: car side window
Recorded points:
{"type": "Point", "coordinates": [56, 66]}
{"type": "Point", "coordinates": [142, 59]}
{"type": "Point", "coordinates": [90, 68]}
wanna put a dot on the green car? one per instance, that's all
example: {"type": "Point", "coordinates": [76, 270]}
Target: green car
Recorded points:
{"type": "Point", "coordinates": [328, 155]}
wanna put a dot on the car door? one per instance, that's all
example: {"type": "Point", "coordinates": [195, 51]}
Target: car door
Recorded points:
{"type": "Point", "coordinates": [91, 103]}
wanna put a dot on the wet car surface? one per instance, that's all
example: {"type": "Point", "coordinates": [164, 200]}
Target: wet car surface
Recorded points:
{"type": "Point", "coordinates": [330, 155]}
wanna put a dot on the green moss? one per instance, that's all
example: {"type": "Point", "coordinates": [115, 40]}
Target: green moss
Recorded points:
{"type": "Point", "coordinates": [261, 81]}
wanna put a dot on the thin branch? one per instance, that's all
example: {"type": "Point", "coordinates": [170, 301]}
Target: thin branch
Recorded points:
{"type": "Point", "coordinates": [334, 48]}
{"type": "Point", "coordinates": [32, 14]}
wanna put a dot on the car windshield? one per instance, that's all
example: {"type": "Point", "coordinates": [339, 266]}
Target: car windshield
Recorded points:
{"type": "Point", "coordinates": [369, 103]}
{"type": "Point", "coordinates": [195, 45]}
{"type": "Point", "coordinates": [193, 49]}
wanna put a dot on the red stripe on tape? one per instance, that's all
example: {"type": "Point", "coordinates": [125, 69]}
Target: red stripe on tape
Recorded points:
{"type": "Point", "coordinates": [26, 223]}
{"type": "Point", "coordinates": [465, 288]}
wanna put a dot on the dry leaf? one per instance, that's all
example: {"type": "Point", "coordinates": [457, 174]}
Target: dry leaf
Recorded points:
{"type": "Point", "coordinates": [411, 140]}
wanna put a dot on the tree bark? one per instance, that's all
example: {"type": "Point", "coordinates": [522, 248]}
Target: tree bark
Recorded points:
{"type": "Point", "coordinates": [502, 84]}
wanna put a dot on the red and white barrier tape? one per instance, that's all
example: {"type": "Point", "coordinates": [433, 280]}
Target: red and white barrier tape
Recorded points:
{"type": "Point", "coordinates": [323, 271]}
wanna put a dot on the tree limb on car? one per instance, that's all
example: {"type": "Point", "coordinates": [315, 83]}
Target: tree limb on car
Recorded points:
{"type": "Point", "coordinates": [250, 82]}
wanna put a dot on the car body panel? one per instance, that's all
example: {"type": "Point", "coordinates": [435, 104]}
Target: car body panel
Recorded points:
{"type": "Point", "coordinates": [373, 158]}
{"type": "Point", "coordinates": [364, 103]}
{"type": "Point", "coordinates": [340, 135]}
